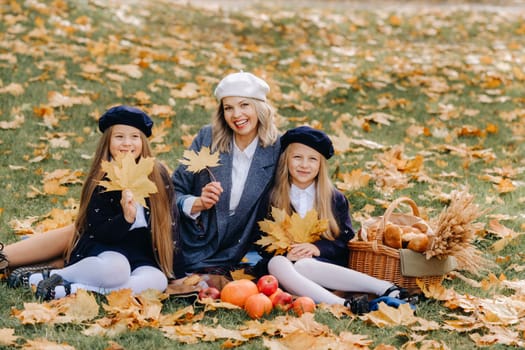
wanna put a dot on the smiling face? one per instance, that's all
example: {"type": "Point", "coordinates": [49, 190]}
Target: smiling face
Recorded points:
{"type": "Point", "coordinates": [241, 117]}
{"type": "Point", "coordinates": [303, 164]}
{"type": "Point", "coordinates": [125, 138]}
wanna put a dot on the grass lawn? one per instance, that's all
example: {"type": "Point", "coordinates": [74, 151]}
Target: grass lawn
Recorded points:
{"type": "Point", "coordinates": [420, 101]}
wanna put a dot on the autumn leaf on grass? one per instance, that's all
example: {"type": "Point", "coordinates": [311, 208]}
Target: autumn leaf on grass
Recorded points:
{"type": "Point", "coordinates": [8, 337]}
{"type": "Point", "coordinates": [506, 235]}
{"type": "Point", "coordinates": [124, 173]}
{"type": "Point", "coordinates": [387, 316]}
{"type": "Point", "coordinates": [200, 160]}
{"type": "Point", "coordinates": [286, 230]}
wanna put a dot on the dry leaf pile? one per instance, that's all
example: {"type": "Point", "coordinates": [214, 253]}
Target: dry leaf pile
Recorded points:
{"type": "Point", "coordinates": [125, 173]}
{"type": "Point", "coordinates": [285, 230]}
{"type": "Point", "coordinates": [455, 232]}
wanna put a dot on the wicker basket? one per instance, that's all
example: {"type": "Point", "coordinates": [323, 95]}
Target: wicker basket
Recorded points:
{"type": "Point", "coordinates": [381, 261]}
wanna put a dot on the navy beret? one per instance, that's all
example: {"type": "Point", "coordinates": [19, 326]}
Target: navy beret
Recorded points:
{"type": "Point", "coordinates": [310, 137]}
{"type": "Point", "coordinates": [128, 116]}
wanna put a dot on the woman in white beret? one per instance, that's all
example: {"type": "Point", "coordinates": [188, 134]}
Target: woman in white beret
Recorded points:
{"type": "Point", "coordinates": [218, 215]}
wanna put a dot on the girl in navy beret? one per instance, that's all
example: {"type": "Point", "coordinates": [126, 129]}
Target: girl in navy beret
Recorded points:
{"type": "Point", "coordinates": [313, 269]}
{"type": "Point", "coordinates": [118, 243]}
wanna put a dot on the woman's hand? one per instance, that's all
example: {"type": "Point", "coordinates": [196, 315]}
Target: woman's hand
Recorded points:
{"type": "Point", "coordinates": [128, 206]}
{"type": "Point", "coordinates": [302, 250]}
{"type": "Point", "coordinates": [209, 197]}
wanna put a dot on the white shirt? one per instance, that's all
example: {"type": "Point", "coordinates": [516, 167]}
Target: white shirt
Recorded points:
{"type": "Point", "coordinates": [240, 167]}
{"type": "Point", "coordinates": [140, 218]}
{"type": "Point", "coordinates": [302, 200]}
{"type": "Point", "coordinates": [242, 160]}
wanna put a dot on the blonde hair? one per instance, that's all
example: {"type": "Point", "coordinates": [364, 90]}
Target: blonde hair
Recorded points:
{"type": "Point", "coordinates": [280, 196]}
{"type": "Point", "coordinates": [160, 203]}
{"type": "Point", "coordinates": [222, 134]}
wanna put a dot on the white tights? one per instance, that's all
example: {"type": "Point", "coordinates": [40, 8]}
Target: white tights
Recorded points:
{"type": "Point", "coordinates": [311, 277]}
{"type": "Point", "coordinates": [106, 272]}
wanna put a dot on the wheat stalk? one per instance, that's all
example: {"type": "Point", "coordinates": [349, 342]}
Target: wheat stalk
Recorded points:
{"type": "Point", "coordinates": [455, 232]}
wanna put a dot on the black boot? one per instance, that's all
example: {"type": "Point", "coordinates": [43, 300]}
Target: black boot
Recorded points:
{"type": "Point", "coordinates": [358, 305]}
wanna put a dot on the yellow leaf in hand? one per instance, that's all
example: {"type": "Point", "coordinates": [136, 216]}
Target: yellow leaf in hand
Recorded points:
{"type": "Point", "coordinates": [285, 230]}
{"type": "Point", "coordinates": [307, 229]}
{"type": "Point", "coordinates": [197, 161]}
{"type": "Point", "coordinates": [124, 173]}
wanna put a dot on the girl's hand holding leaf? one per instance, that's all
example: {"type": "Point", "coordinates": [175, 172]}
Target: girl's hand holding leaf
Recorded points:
{"type": "Point", "coordinates": [128, 206]}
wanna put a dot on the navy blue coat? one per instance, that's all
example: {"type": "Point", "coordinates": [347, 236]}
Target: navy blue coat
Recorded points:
{"type": "Point", "coordinates": [332, 251]}
{"type": "Point", "coordinates": [336, 251]}
{"type": "Point", "coordinates": [219, 238]}
{"type": "Point", "coordinates": [108, 230]}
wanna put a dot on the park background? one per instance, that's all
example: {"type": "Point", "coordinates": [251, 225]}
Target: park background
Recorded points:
{"type": "Point", "coordinates": [420, 98]}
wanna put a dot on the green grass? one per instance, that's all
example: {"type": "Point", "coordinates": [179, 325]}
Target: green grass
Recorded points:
{"type": "Point", "coordinates": [323, 65]}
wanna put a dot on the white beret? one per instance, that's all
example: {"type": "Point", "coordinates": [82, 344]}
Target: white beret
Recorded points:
{"type": "Point", "coordinates": [242, 84]}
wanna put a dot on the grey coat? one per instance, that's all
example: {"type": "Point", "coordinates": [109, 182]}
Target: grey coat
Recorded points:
{"type": "Point", "coordinates": [219, 238]}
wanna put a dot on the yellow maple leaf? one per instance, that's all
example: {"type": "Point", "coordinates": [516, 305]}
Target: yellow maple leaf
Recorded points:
{"type": "Point", "coordinates": [240, 274]}
{"type": "Point", "coordinates": [8, 337]}
{"type": "Point", "coordinates": [390, 316]}
{"type": "Point", "coordinates": [286, 230]}
{"type": "Point", "coordinates": [200, 160]}
{"type": "Point", "coordinates": [124, 173]}
{"type": "Point", "coordinates": [41, 343]}
{"type": "Point", "coordinates": [76, 308]}
{"type": "Point", "coordinates": [353, 180]}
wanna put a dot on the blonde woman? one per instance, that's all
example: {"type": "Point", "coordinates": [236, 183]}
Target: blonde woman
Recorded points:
{"type": "Point", "coordinates": [218, 213]}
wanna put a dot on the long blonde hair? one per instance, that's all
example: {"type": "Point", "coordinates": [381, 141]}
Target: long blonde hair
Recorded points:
{"type": "Point", "coordinates": [280, 196]}
{"type": "Point", "coordinates": [161, 217]}
{"type": "Point", "coordinates": [266, 129]}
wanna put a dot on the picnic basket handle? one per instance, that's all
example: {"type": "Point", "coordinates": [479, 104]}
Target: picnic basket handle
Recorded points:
{"type": "Point", "coordinates": [390, 210]}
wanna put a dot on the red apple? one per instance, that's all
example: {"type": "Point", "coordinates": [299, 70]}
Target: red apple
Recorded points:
{"type": "Point", "coordinates": [281, 300]}
{"type": "Point", "coordinates": [209, 292]}
{"type": "Point", "coordinates": [267, 284]}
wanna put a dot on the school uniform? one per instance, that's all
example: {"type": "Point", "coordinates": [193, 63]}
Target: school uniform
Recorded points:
{"type": "Point", "coordinates": [336, 251]}
{"type": "Point", "coordinates": [108, 230]}
{"type": "Point", "coordinates": [331, 251]}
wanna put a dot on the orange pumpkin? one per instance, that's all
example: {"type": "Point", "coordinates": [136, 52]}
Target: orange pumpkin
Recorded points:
{"type": "Point", "coordinates": [258, 305]}
{"type": "Point", "coordinates": [236, 292]}
{"type": "Point", "coordinates": [303, 304]}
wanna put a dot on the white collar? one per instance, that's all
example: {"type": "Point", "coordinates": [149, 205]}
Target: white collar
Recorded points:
{"type": "Point", "coordinates": [310, 190]}
{"type": "Point", "coordinates": [249, 151]}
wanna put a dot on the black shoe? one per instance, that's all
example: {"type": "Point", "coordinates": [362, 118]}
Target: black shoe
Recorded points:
{"type": "Point", "coordinates": [4, 263]}
{"type": "Point", "coordinates": [403, 294]}
{"type": "Point", "coordinates": [19, 277]}
{"type": "Point", "coordinates": [45, 290]}
{"type": "Point", "coordinates": [358, 305]}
